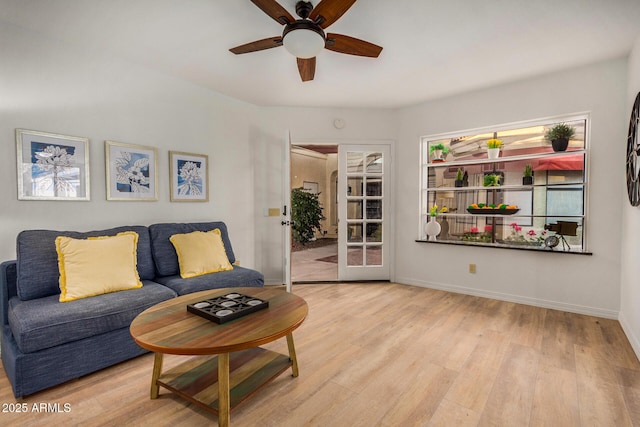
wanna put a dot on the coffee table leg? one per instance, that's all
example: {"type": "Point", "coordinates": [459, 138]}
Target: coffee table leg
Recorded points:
{"type": "Point", "coordinates": [223, 390]}
{"type": "Point", "coordinates": [292, 355]}
{"type": "Point", "coordinates": [157, 369]}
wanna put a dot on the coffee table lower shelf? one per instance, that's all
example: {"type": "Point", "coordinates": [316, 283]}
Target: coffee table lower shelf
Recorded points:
{"type": "Point", "coordinates": [249, 370]}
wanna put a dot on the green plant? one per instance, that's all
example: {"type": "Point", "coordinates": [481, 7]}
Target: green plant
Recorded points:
{"type": "Point", "coordinates": [440, 147]}
{"type": "Point", "coordinates": [491, 180]}
{"type": "Point", "coordinates": [459, 174]}
{"type": "Point", "coordinates": [528, 171]}
{"type": "Point", "coordinates": [494, 143]}
{"type": "Point", "coordinates": [560, 131]}
{"type": "Point", "coordinates": [306, 214]}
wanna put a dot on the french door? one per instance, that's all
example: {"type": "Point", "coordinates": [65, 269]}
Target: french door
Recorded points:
{"type": "Point", "coordinates": [364, 177]}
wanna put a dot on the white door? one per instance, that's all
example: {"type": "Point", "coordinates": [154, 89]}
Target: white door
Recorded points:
{"type": "Point", "coordinates": [364, 178]}
{"type": "Point", "coordinates": [286, 211]}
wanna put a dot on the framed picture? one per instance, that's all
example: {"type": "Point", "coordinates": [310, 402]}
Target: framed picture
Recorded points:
{"type": "Point", "coordinates": [310, 187]}
{"type": "Point", "coordinates": [189, 177]}
{"type": "Point", "coordinates": [51, 166]}
{"type": "Point", "coordinates": [132, 172]}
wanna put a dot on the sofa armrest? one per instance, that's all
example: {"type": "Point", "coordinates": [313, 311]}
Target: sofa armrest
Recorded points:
{"type": "Point", "coordinates": [8, 276]}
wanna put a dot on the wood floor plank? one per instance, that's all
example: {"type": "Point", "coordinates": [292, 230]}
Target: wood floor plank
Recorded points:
{"type": "Point", "coordinates": [406, 356]}
{"type": "Point", "coordinates": [555, 401]}
{"type": "Point", "coordinates": [599, 392]}
{"type": "Point", "coordinates": [559, 339]}
{"type": "Point", "coordinates": [472, 387]}
{"type": "Point", "coordinates": [511, 397]}
{"type": "Point", "coordinates": [452, 414]}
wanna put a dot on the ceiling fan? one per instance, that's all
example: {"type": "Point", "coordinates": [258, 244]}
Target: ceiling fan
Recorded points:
{"type": "Point", "coordinates": [304, 38]}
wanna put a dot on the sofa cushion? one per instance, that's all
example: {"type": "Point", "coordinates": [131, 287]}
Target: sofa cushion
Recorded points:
{"type": "Point", "coordinates": [97, 265]}
{"type": "Point", "coordinates": [46, 322]}
{"type": "Point", "coordinates": [37, 260]}
{"type": "Point", "coordinates": [200, 252]}
{"type": "Point", "coordinates": [238, 277]}
{"type": "Point", "coordinates": [164, 254]}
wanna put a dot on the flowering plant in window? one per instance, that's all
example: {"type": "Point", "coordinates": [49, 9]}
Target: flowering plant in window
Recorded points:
{"type": "Point", "coordinates": [474, 234]}
{"type": "Point", "coordinates": [530, 237]}
{"type": "Point", "coordinates": [433, 210]}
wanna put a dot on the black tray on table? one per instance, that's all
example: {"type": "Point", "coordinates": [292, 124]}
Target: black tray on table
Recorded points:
{"type": "Point", "coordinates": [227, 307]}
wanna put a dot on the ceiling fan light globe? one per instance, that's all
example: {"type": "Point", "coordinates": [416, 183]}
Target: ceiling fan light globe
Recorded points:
{"type": "Point", "coordinates": [303, 43]}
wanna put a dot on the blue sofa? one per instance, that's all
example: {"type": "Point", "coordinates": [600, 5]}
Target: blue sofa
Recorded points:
{"type": "Point", "coordinates": [46, 342]}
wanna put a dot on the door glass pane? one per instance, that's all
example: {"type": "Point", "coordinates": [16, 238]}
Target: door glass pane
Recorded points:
{"type": "Point", "coordinates": [354, 255]}
{"type": "Point", "coordinates": [374, 163]}
{"type": "Point", "coordinates": [354, 233]}
{"type": "Point", "coordinates": [354, 209]}
{"type": "Point", "coordinates": [374, 187]}
{"type": "Point", "coordinates": [374, 255]}
{"type": "Point", "coordinates": [374, 209]}
{"type": "Point", "coordinates": [374, 233]}
{"type": "Point", "coordinates": [354, 186]}
{"type": "Point", "coordinates": [354, 162]}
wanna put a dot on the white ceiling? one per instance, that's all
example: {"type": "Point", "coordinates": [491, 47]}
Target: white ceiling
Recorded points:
{"type": "Point", "coordinates": [432, 48]}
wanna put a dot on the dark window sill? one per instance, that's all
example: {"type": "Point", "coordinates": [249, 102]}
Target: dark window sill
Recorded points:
{"type": "Point", "coordinates": [502, 246]}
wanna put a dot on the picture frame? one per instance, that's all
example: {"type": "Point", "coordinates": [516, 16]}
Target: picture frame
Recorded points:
{"type": "Point", "coordinates": [310, 187]}
{"type": "Point", "coordinates": [189, 175]}
{"type": "Point", "coordinates": [52, 166]}
{"type": "Point", "coordinates": [131, 172]}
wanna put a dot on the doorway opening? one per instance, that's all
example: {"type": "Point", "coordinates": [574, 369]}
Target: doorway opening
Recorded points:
{"type": "Point", "coordinates": [314, 168]}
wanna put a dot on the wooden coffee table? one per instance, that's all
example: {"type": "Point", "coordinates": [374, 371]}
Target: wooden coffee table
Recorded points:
{"type": "Point", "coordinates": [242, 366]}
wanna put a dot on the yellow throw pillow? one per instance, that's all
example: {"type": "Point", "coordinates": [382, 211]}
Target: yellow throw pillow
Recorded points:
{"type": "Point", "coordinates": [97, 265]}
{"type": "Point", "coordinates": [200, 253]}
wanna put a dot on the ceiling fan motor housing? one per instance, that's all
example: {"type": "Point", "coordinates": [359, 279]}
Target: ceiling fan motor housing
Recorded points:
{"type": "Point", "coordinates": [303, 9]}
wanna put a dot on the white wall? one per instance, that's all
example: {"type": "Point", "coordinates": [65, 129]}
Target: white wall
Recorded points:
{"type": "Point", "coordinates": [585, 284]}
{"type": "Point", "coordinates": [56, 88]}
{"type": "Point", "coordinates": [630, 280]}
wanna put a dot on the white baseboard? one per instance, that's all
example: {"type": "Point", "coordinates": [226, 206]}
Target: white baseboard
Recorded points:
{"type": "Point", "coordinates": [633, 339]}
{"type": "Point", "coordinates": [536, 302]}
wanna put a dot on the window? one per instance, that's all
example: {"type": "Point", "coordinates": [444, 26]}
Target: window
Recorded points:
{"type": "Point", "coordinates": [525, 212]}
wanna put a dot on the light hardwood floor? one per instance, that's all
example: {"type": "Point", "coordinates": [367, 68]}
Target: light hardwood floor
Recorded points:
{"type": "Point", "coordinates": [394, 355]}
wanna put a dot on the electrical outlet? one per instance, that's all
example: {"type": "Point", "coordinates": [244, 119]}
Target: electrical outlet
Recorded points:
{"type": "Point", "coordinates": [472, 268]}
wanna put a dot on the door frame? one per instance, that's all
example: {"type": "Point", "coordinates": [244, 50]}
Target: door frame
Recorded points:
{"type": "Point", "coordinates": [343, 144]}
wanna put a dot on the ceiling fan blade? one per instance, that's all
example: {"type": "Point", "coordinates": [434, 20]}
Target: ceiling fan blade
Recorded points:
{"type": "Point", "coordinates": [257, 45]}
{"type": "Point", "coordinates": [307, 68]}
{"type": "Point", "coordinates": [329, 11]}
{"type": "Point", "coordinates": [351, 46]}
{"type": "Point", "coordinates": [274, 10]}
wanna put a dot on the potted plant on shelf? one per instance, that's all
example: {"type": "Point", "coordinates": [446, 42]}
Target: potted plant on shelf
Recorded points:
{"type": "Point", "coordinates": [493, 148]}
{"type": "Point", "coordinates": [559, 135]}
{"type": "Point", "coordinates": [459, 178]}
{"type": "Point", "coordinates": [527, 175]}
{"type": "Point", "coordinates": [438, 151]}
{"type": "Point", "coordinates": [491, 180]}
